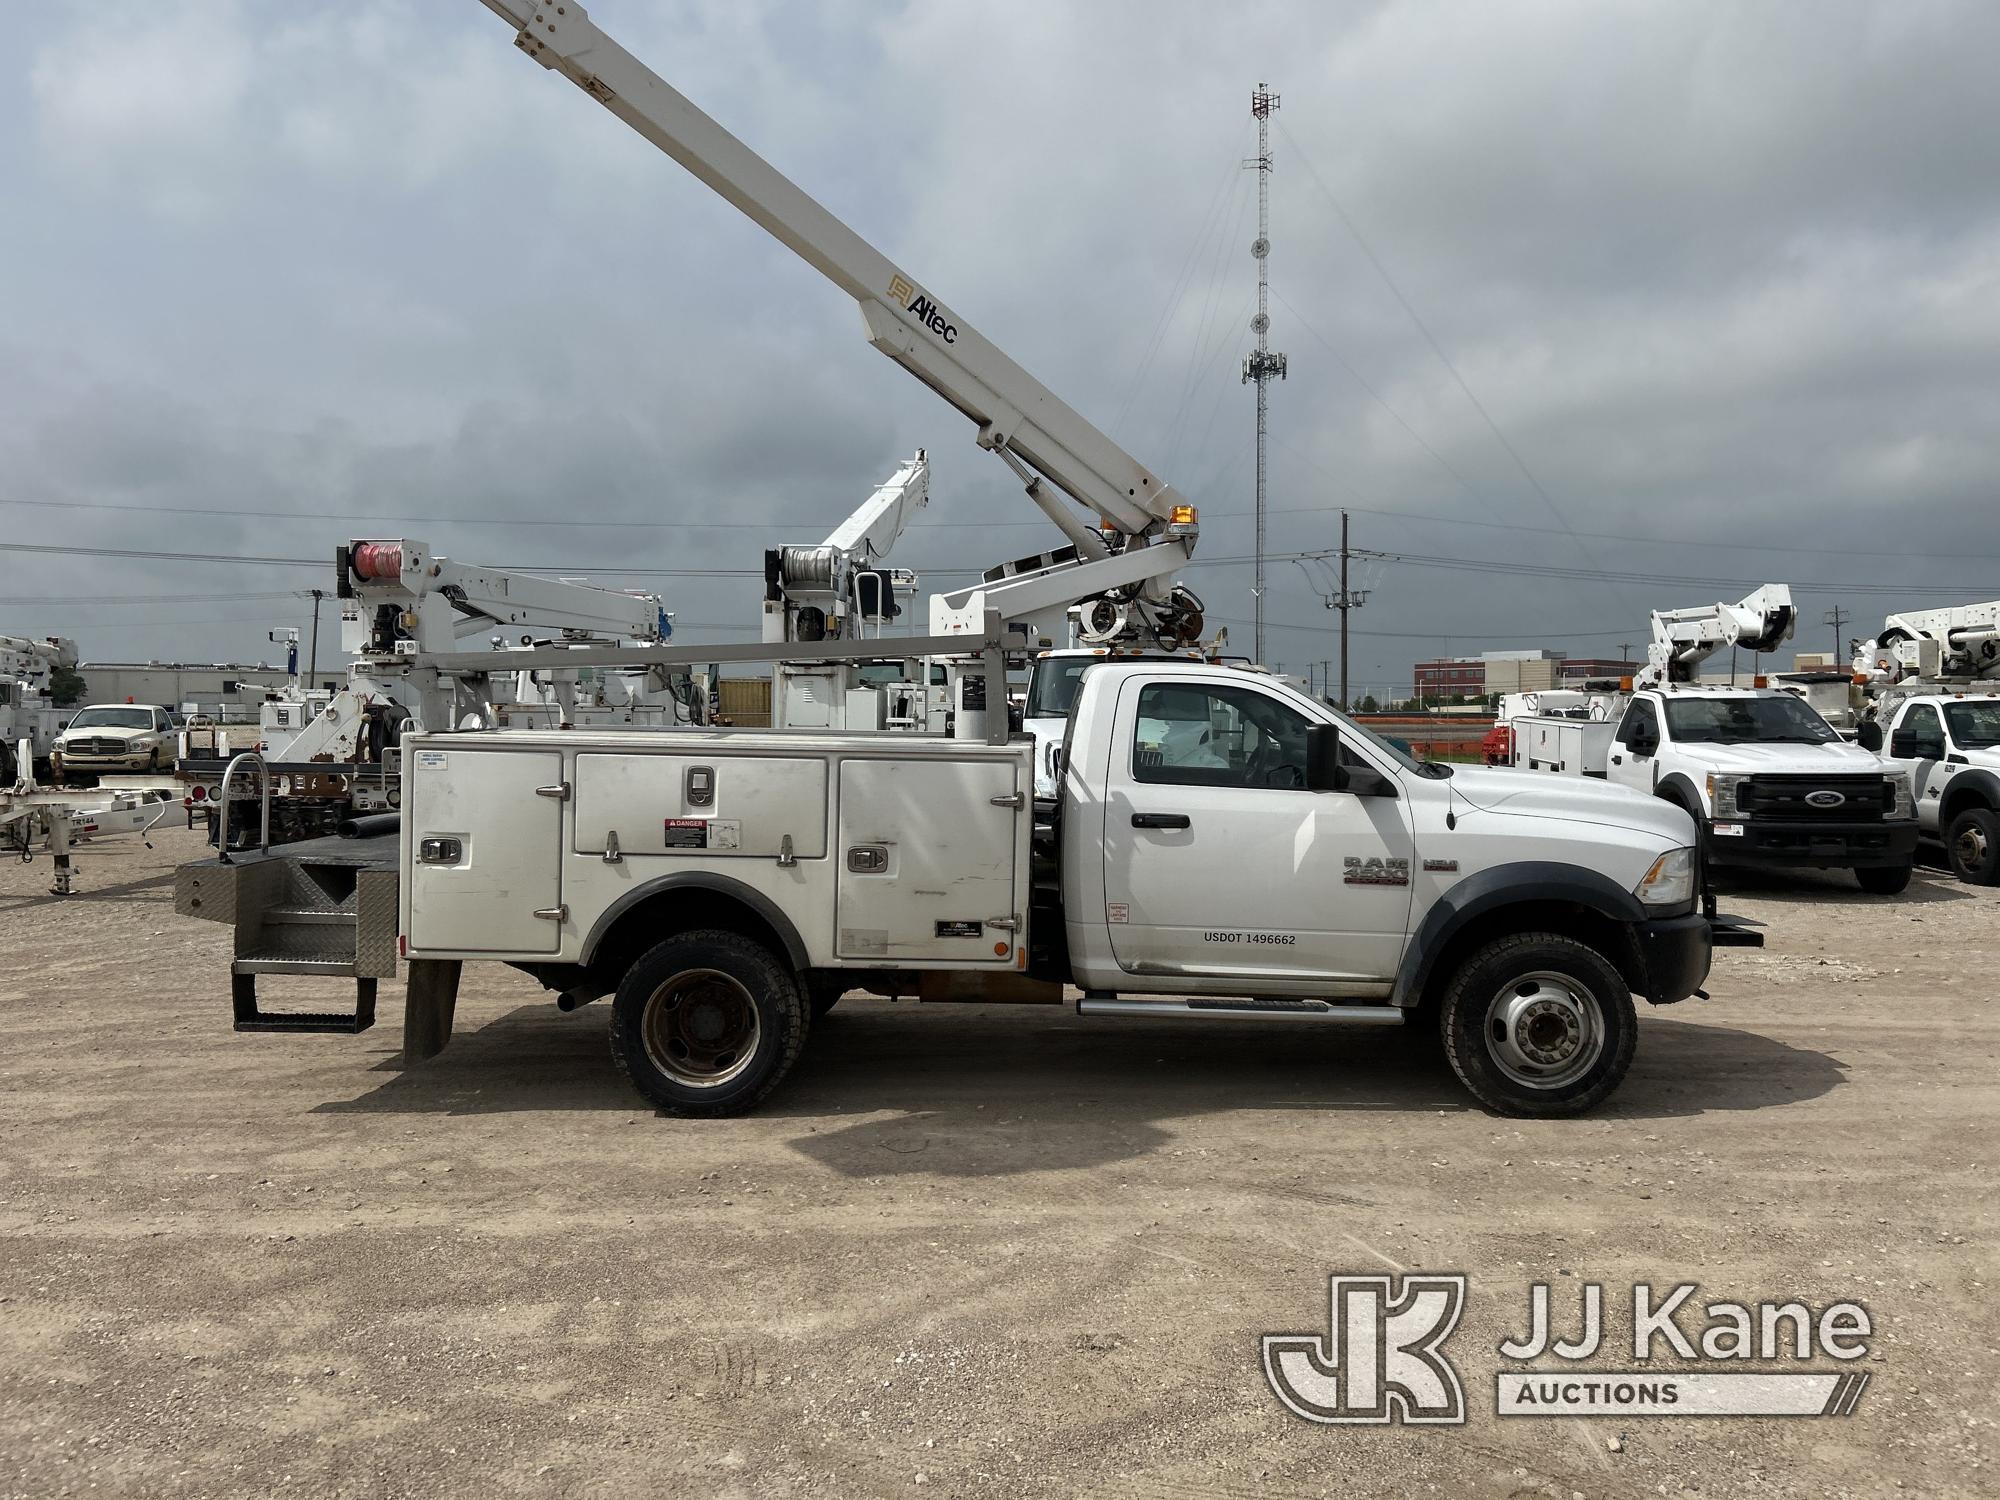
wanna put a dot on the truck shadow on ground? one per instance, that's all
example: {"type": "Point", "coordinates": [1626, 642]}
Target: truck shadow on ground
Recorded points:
{"type": "Point", "coordinates": [991, 1091]}
{"type": "Point", "coordinates": [84, 896]}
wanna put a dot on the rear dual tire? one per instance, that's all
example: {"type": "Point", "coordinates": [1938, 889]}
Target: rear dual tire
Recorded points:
{"type": "Point", "coordinates": [1538, 1025]}
{"type": "Point", "coordinates": [708, 1023]}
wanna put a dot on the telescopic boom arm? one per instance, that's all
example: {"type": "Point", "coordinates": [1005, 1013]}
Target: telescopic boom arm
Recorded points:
{"type": "Point", "coordinates": [1685, 638]}
{"type": "Point", "coordinates": [1045, 441]}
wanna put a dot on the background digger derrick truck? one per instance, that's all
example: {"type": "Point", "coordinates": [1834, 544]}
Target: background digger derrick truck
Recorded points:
{"type": "Point", "coordinates": [1221, 848]}
{"type": "Point", "coordinates": [403, 608]}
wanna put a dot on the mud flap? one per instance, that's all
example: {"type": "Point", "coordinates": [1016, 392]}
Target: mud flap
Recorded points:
{"type": "Point", "coordinates": [430, 1001]}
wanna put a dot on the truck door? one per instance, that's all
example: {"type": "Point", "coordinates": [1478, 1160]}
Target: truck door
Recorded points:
{"type": "Point", "coordinates": [483, 837]}
{"type": "Point", "coordinates": [1917, 745]}
{"type": "Point", "coordinates": [1635, 748]}
{"type": "Point", "coordinates": [932, 860]}
{"type": "Point", "coordinates": [1220, 865]}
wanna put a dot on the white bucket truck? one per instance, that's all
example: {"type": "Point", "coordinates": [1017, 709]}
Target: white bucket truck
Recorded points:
{"type": "Point", "coordinates": [1221, 848]}
{"type": "Point", "coordinates": [1931, 686]}
{"type": "Point", "coordinates": [1768, 780]}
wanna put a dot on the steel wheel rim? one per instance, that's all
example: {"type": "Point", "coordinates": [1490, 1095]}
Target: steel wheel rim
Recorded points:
{"type": "Point", "coordinates": [1544, 1030]}
{"type": "Point", "coordinates": [1970, 846]}
{"type": "Point", "coordinates": [701, 1028]}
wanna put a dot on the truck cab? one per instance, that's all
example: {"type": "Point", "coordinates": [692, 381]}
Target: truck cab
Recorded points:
{"type": "Point", "coordinates": [1769, 780]}
{"type": "Point", "coordinates": [1948, 745]}
{"type": "Point", "coordinates": [1053, 681]}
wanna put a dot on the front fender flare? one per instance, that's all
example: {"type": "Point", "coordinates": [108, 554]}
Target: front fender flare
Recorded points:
{"type": "Point", "coordinates": [1501, 886]}
{"type": "Point", "coordinates": [1978, 787]}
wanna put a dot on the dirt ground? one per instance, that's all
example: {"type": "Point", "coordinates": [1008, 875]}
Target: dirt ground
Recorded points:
{"type": "Point", "coordinates": [964, 1251]}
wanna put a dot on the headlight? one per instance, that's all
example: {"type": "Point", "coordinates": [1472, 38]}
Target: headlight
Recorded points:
{"type": "Point", "coordinates": [1671, 880]}
{"type": "Point", "coordinates": [1906, 803]}
{"type": "Point", "coordinates": [1722, 787]}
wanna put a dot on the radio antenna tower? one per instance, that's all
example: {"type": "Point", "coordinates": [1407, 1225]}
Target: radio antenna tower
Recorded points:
{"type": "Point", "coordinates": [1263, 364]}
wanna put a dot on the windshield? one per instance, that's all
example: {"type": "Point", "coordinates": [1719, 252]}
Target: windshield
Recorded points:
{"type": "Point", "coordinates": [113, 718]}
{"type": "Point", "coordinates": [1349, 730]}
{"type": "Point", "coordinates": [1052, 685]}
{"type": "Point", "coordinates": [1974, 725]}
{"type": "Point", "coordinates": [1739, 721]}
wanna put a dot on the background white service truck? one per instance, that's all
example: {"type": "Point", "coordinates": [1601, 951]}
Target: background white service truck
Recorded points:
{"type": "Point", "coordinates": [28, 709]}
{"type": "Point", "coordinates": [1931, 703]}
{"type": "Point", "coordinates": [1769, 781]}
{"type": "Point", "coordinates": [1223, 848]}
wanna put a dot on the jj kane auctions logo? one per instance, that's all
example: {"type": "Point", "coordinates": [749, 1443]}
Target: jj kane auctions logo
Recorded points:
{"type": "Point", "coordinates": [1382, 1356]}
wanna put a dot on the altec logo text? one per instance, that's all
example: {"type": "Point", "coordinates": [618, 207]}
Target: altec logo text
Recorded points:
{"type": "Point", "coordinates": [1382, 1358]}
{"type": "Point", "coordinates": [919, 306]}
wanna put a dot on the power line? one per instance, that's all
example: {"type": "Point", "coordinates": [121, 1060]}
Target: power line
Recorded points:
{"type": "Point", "coordinates": [402, 522]}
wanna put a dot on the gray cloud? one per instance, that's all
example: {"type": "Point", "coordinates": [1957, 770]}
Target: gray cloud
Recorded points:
{"type": "Point", "coordinates": [1722, 275]}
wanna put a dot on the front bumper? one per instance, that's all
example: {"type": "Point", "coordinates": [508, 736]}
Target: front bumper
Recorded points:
{"type": "Point", "coordinates": [1814, 845]}
{"type": "Point", "coordinates": [69, 760]}
{"type": "Point", "coordinates": [1674, 955]}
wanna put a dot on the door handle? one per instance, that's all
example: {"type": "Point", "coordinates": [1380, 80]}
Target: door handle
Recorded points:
{"type": "Point", "coordinates": [1160, 820]}
{"type": "Point", "coordinates": [1617, 760]}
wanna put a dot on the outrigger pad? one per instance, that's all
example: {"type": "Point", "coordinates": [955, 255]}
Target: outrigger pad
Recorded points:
{"type": "Point", "coordinates": [243, 997]}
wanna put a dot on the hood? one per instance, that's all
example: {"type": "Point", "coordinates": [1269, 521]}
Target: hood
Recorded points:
{"type": "Point", "coordinates": [1544, 794]}
{"type": "Point", "coordinates": [107, 732]}
{"type": "Point", "coordinates": [1841, 759]}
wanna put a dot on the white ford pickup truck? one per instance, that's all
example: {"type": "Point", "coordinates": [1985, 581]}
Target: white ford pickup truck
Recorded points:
{"type": "Point", "coordinates": [1948, 743]}
{"type": "Point", "coordinates": [1222, 848]}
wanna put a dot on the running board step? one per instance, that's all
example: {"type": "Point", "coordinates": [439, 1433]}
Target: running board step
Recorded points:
{"type": "Point", "coordinates": [249, 1017]}
{"type": "Point", "coordinates": [1725, 931]}
{"type": "Point", "coordinates": [1201, 1007]}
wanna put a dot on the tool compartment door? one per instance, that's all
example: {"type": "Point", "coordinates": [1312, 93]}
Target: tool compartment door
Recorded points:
{"type": "Point", "coordinates": [702, 806]}
{"type": "Point", "coordinates": [508, 857]}
{"type": "Point", "coordinates": [928, 860]}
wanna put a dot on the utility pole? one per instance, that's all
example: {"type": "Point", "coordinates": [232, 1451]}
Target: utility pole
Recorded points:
{"type": "Point", "coordinates": [312, 670]}
{"type": "Point", "coordinates": [1263, 364]}
{"type": "Point", "coordinates": [1836, 619]}
{"type": "Point", "coordinates": [1346, 601]}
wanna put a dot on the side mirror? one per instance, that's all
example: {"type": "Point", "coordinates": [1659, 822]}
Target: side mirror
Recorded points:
{"type": "Point", "coordinates": [1904, 745]}
{"type": "Point", "coordinates": [1324, 772]}
{"type": "Point", "coordinates": [1869, 735]}
{"type": "Point", "coordinates": [1642, 743]}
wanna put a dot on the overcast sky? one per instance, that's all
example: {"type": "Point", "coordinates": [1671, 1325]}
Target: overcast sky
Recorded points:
{"type": "Point", "coordinates": [1696, 295]}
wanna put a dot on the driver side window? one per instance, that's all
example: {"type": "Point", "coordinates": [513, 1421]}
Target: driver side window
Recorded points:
{"type": "Point", "coordinates": [1921, 735]}
{"type": "Point", "coordinates": [1640, 723]}
{"type": "Point", "coordinates": [1202, 734]}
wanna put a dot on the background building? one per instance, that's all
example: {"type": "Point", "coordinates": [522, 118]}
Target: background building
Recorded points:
{"type": "Point", "coordinates": [1598, 668]}
{"type": "Point", "coordinates": [225, 690]}
{"type": "Point", "coordinates": [1493, 672]}
{"type": "Point", "coordinates": [1451, 677]}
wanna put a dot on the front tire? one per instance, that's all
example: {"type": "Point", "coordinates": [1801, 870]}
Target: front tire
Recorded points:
{"type": "Point", "coordinates": [1885, 880]}
{"type": "Point", "coordinates": [1973, 842]}
{"type": "Point", "coordinates": [708, 1023]}
{"type": "Point", "coordinates": [1539, 1026]}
